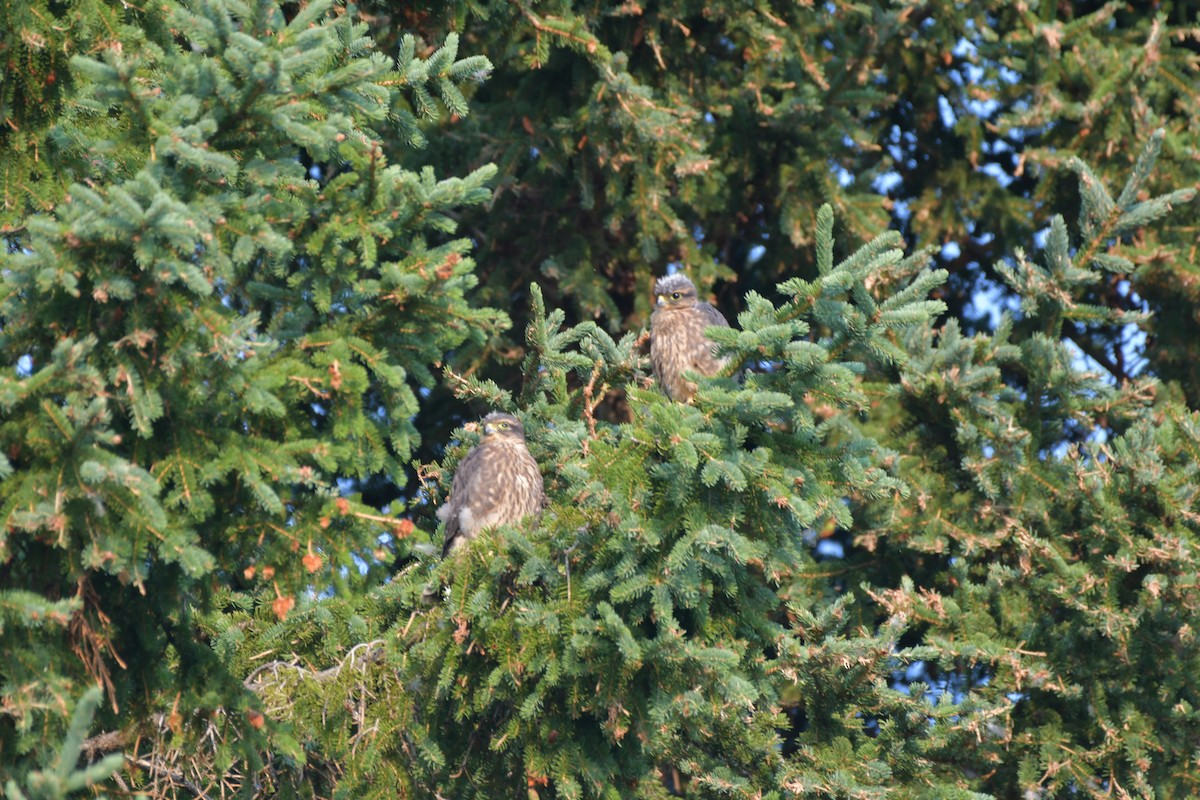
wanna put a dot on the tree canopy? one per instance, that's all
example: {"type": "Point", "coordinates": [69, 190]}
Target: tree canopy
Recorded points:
{"type": "Point", "coordinates": [267, 263]}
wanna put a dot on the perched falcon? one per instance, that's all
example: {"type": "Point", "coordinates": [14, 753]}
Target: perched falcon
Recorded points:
{"type": "Point", "coordinates": [497, 483]}
{"type": "Point", "coordinates": [677, 340]}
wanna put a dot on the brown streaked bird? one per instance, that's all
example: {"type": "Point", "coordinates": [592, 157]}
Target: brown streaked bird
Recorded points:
{"type": "Point", "coordinates": [677, 340]}
{"type": "Point", "coordinates": [497, 483]}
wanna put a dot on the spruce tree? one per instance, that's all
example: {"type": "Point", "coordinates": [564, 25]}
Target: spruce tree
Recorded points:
{"type": "Point", "coordinates": [1052, 558]}
{"type": "Point", "coordinates": [66, 777]}
{"type": "Point", "coordinates": [899, 551]}
{"type": "Point", "coordinates": [203, 341]}
{"type": "Point", "coordinates": [632, 135]}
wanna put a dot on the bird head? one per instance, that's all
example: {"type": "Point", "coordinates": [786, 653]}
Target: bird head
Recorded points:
{"type": "Point", "coordinates": [502, 426]}
{"type": "Point", "coordinates": [674, 291]}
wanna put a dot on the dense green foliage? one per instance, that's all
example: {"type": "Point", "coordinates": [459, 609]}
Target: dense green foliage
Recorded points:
{"type": "Point", "coordinates": [631, 135]}
{"type": "Point", "coordinates": [263, 262]}
{"type": "Point", "coordinates": [213, 337]}
{"type": "Point", "coordinates": [67, 776]}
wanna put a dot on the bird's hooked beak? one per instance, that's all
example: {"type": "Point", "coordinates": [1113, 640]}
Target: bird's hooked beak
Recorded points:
{"type": "Point", "coordinates": [660, 299]}
{"type": "Point", "coordinates": [488, 429]}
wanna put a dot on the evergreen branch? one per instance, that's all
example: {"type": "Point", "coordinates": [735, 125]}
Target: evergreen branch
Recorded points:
{"type": "Point", "coordinates": [825, 239]}
{"type": "Point", "coordinates": [568, 30]}
{"type": "Point", "coordinates": [1142, 168]}
{"type": "Point", "coordinates": [65, 777]}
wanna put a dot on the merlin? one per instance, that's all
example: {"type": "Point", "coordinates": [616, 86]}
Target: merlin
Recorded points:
{"type": "Point", "coordinates": [497, 483]}
{"type": "Point", "coordinates": [677, 340]}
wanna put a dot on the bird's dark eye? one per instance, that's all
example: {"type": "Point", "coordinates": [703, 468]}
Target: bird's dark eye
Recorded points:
{"type": "Point", "coordinates": [503, 426]}
{"type": "Point", "coordinates": [674, 295]}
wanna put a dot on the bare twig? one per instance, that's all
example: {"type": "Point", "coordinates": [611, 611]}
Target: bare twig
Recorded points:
{"type": "Point", "coordinates": [590, 402]}
{"type": "Point", "coordinates": [176, 778]}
